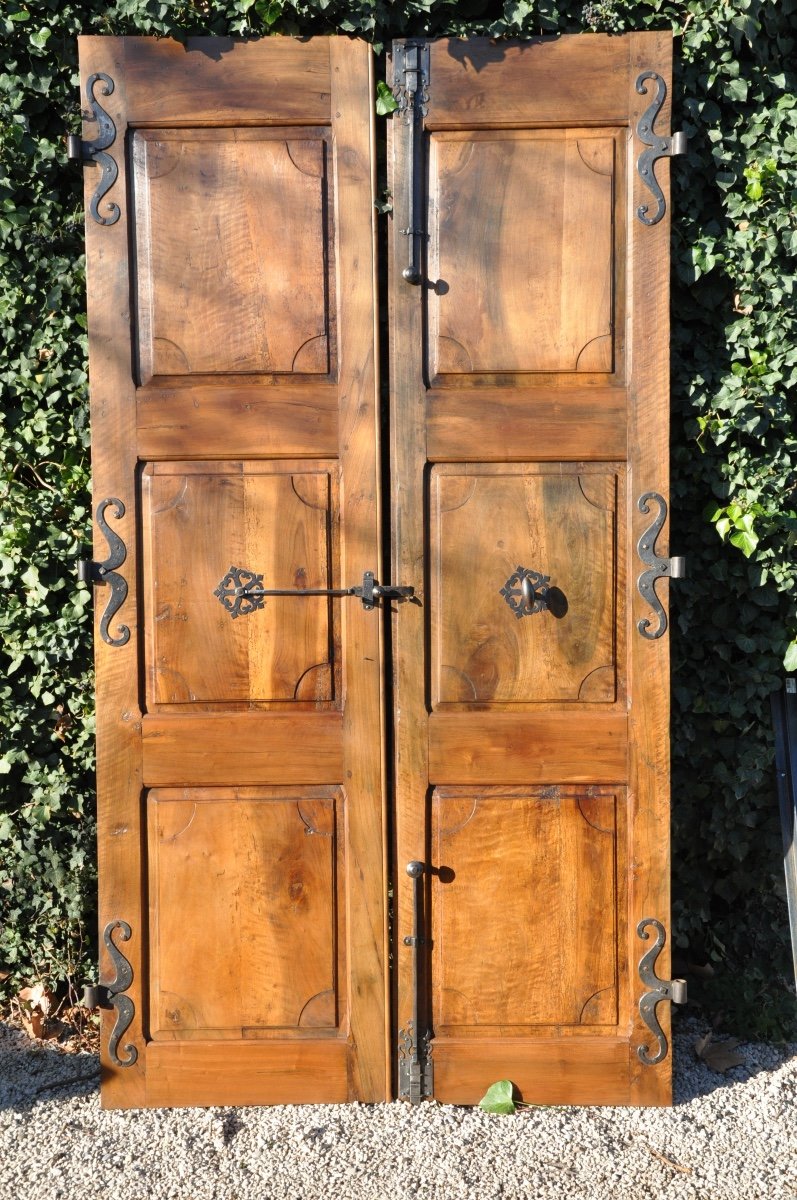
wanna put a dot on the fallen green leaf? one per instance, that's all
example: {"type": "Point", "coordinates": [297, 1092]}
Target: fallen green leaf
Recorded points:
{"type": "Point", "coordinates": [498, 1098]}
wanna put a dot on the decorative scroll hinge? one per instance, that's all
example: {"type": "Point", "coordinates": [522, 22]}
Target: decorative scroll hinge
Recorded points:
{"type": "Point", "coordinates": [657, 146]}
{"type": "Point", "coordinates": [111, 995]}
{"type": "Point", "coordinates": [89, 571]}
{"type": "Point", "coordinates": [660, 989]}
{"type": "Point", "coordinates": [657, 567]}
{"type": "Point", "coordinates": [411, 89]}
{"type": "Point", "coordinates": [95, 151]}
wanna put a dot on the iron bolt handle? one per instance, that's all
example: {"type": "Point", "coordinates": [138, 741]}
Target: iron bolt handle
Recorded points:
{"type": "Point", "coordinates": [240, 591]}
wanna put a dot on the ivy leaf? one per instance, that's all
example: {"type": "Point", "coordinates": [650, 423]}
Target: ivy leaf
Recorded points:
{"type": "Point", "coordinates": [790, 658]}
{"type": "Point", "coordinates": [744, 540]}
{"type": "Point", "coordinates": [386, 102]}
{"type": "Point", "coordinates": [498, 1098]}
{"type": "Point", "coordinates": [269, 11]}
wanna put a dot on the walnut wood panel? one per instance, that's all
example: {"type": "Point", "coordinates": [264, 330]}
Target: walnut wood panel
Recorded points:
{"type": "Point", "coordinates": [170, 83]}
{"type": "Point", "coordinates": [546, 859]}
{"type": "Point", "coordinates": [526, 424]}
{"type": "Point", "coordinates": [282, 418]}
{"type": "Point", "coordinates": [522, 282]}
{"type": "Point", "coordinates": [231, 1073]}
{"type": "Point", "coordinates": [273, 518]}
{"type": "Point", "coordinates": [566, 81]}
{"type": "Point", "coordinates": [237, 882]}
{"type": "Point", "coordinates": [266, 747]}
{"type": "Point", "coordinates": [485, 522]}
{"type": "Point", "coordinates": [231, 235]}
{"type": "Point", "coordinates": [507, 747]}
{"type": "Point", "coordinates": [557, 1071]}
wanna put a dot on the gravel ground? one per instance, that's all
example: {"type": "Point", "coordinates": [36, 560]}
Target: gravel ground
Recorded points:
{"type": "Point", "coordinates": [729, 1137]}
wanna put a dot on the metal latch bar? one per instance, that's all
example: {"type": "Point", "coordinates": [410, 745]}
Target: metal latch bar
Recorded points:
{"type": "Point", "coordinates": [241, 591]}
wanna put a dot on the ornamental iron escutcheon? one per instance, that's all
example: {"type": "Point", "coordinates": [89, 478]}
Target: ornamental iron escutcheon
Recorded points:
{"type": "Point", "coordinates": [657, 567]}
{"type": "Point", "coordinates": [526, 592]}
{"type": "Point", "coordinates": [657, 146]}
{"type": "Point", "coordinates": [660, 989]}
{"type": "Point", "coordinates": [411, 89]}
{"type": "Point", "coordinates": [95, 151]}
{"type": "Point", "coordinates": [415, 1066]}
{"type": "Point", "coordinates": [89, 571]}
{"type": "Point", "coordinates": [111, 995]}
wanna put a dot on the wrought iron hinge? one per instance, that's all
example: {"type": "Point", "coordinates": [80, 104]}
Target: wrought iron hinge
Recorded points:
{"type": "Point", "coordinates": [657, 567]}
{"type": "Point", "coordinates": [95, 151]}
{"type": "Point", "coordinates": [111, 995]}
{"type": "Point", "coordinates": [660, 989]}
{"type": "Point", "coordinates": [411, 89]}
{"type": "Point", "coordinates": [89, 571]}
{"type": "Point", "coordinates": [657, 146]}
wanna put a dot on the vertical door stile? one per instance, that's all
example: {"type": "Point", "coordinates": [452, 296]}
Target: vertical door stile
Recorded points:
{"type": "Point", "coordinates": [648, 453]}
{"type": "Point", "coordinates": [408, 459]}
{"type": "Point", "coordinates": [118, 704]}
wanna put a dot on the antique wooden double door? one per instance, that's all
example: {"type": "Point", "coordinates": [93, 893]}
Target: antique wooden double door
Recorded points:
{"type": "Point", "coordinates": [360, 841]}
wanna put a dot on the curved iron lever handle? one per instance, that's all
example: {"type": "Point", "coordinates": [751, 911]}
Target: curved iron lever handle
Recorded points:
{"type": "Point", "coordinates": [241, 593]}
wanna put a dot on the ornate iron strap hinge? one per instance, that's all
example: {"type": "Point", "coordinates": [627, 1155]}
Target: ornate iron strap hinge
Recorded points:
{"type": "Point", "coordinates": [411, 89]}
{"type": "Point", "coordinates": [657, 146]}
{"type": "Point", "coordinates": [660, 989]}
{"type": "Point", "coordinates": [89, 571]}
{"type": "Point", "coordinates": [658, 567]}
{"type": "Point", "coordinates": [95, 151]}
{"type": "Point", "coordinates": [111, 995]}
{"type": "Point", "coordinates": [415, 1066]}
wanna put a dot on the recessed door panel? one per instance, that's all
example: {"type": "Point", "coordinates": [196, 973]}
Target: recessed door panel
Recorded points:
{"type": "Point", "coordinates": [274, 520]}
{"type": "Point", "coordinates": [496, 529]}
{"type": "Point", "coordinates": [238, 880]}
{"type": "Point", "coordinates": [545, 858]}
{"type": "Point", "coordinates": [522, 277]}
{"type": "Point", "coordinates": [232, 233]}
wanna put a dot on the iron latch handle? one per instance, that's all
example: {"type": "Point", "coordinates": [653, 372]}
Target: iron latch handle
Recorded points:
{"type": "Point", "coordinates": [240, 591]}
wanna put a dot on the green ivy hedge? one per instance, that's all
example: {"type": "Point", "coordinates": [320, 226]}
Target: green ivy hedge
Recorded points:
{"type": "Point", "coordinates": [734, 352]}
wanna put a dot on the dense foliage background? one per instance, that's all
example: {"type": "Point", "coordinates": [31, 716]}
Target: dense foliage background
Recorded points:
{"type": "Point", "coordinates": [734, 458]}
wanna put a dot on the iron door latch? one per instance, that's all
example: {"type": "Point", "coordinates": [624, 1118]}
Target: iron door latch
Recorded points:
{"type": "Point", "coordinates": [241, 591]}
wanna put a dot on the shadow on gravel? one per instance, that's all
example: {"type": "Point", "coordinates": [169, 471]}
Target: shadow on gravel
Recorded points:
{"type": "Point", "coordinates": [693, 1079]}
{"type": "Point", "coordinates": [35, 1072]}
